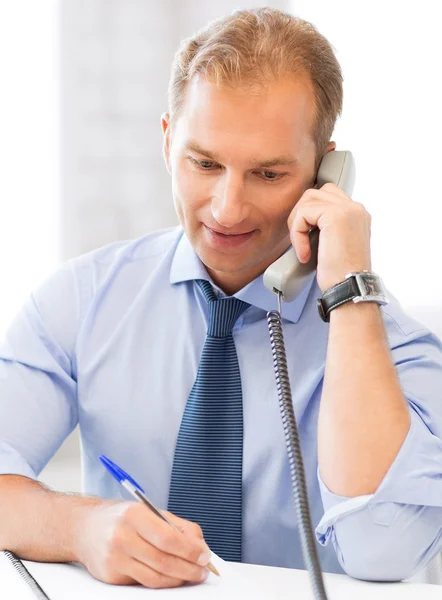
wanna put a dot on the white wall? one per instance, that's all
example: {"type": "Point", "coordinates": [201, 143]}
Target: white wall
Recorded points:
{"type": "Point", "coordinates": [29, 153]}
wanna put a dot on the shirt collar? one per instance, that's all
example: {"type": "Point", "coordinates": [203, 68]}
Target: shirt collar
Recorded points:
{"type": "Point", "coordinates": [187, 266]}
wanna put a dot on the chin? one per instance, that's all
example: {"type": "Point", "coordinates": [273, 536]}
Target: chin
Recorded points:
{"type": "Point", "coordinates": [223, 263]}
{"type": "Point", "coordinates": [219, 262]}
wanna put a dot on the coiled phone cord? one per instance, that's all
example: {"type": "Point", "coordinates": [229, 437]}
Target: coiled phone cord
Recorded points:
{"type": "Point", "coordinates": [297, 475]}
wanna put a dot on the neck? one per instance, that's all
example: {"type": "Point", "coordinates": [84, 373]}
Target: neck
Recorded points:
{"type": "Point", "coordinates": [232, 282]}
{"type": "Point", "coordinates": [229, 285]}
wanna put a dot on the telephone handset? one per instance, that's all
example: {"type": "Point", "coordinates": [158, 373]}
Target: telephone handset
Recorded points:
{"type": "Point", "coordinates": [287, 275]}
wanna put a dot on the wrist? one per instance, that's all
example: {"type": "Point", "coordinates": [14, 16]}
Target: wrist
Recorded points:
{"type": "Point", "coordinates": [82, 517]}
{"type": "Point", "coordinates": [358, 287]}
{"type": "Point", "coordinates": [355, 311]}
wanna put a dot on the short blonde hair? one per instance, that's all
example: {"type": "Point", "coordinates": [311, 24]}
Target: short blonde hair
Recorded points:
{"type": "Point", "coordinates": [254, 47]}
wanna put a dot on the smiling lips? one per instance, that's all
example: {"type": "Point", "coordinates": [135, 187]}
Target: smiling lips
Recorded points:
{"type": "Point", "coordinates": [227, 240]}
{"type": "Point", "coordinates": [231, 233]}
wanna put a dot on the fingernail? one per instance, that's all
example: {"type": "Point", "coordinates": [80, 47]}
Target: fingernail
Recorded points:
{"type": "Point", "coordinates": [204, 558]}
{"type": "Point", "coordinates": [205, 575]}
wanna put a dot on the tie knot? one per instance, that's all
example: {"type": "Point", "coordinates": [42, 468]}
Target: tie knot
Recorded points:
{"type": "Point", "coordinates": [223, 312]}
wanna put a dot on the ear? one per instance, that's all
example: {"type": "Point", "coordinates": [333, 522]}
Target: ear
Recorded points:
{"type": "Point", "coordinates": [330, 147]}
{"type": "Point", "coordinates": [165, 125]}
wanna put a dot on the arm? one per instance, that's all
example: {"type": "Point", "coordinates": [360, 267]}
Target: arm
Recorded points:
{"type": "Point", "coordinates": [392, 533]}
{"type": "Point", "coordinates": [364, 417]}
{"type": "Point", "coordinates": [380, 420]}
{"type": "Point", "coordinates": [37, 523]}
{"type": "Point", "coordinates": [118, 542]}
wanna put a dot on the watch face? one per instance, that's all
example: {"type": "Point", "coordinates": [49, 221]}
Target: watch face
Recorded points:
{"type": "Point", "coordinates": [371, 288]}
{"type": "Point", "coordinates": [371, 285]}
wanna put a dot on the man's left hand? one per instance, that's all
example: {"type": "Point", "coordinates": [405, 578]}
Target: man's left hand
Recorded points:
{"type": "Point", "coordinates": [344, 238]}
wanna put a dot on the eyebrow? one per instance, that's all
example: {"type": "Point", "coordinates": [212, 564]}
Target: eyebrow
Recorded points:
{"type": "Point", "coordinates": [272, 162]}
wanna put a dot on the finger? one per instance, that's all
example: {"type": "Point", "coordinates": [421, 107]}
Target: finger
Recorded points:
{"type": "Point", "coordinates": [305, 219]}
{"type": "Point", "coordinates": [185, 526]}
{"type": "Point", "coordinates": [301, 244]}
{"type": "Point", "coordinates": [324, 199]}
{"type": "Point", "coordinates": [166, 564]}
{"type": "Point", "coordinates": [334, 189]}
{"type": "Point", "coordinates": [147, 576]}
{"type": "Point", "coordinates": [330, 195]}
{"type": "Point", "coordinates": [327, 193]}
{"type": "Point", "coordinates": [161, 535]}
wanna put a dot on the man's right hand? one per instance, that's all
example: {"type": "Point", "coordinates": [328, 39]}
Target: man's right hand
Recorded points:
{"type": "Point", "coordinates": [125, 543]}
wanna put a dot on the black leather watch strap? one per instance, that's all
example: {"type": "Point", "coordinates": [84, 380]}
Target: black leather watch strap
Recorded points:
{"type": "Point", "coordinates": [338, 294]}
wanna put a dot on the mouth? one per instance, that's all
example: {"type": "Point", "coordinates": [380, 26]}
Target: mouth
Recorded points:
{"type": "Point", "coordinates": [231, 239]}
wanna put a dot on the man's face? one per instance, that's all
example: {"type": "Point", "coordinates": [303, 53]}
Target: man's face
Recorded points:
{"type": "Point", "coordinates": [239, 162]}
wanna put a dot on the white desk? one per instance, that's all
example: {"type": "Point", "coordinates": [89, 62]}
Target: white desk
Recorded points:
{"type": "Point", "coordinates": [66, 582]}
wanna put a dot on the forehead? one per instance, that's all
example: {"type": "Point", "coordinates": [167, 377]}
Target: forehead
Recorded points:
{"type": "Point", "coordinates": [278, 117]}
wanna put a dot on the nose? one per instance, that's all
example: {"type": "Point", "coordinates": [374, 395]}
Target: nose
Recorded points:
{"type": "Point", "coordinates": [229, 205]}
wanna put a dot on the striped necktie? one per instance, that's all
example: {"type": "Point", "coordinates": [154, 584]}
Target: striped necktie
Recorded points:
{"type": "Point", "coordinates": [206, 482]}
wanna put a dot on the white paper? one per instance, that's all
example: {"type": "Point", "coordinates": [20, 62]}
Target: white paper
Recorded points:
{"type": "Point", "coordinates": [71, 581]}
{"type": "Point", "coordinates": [11, 584]}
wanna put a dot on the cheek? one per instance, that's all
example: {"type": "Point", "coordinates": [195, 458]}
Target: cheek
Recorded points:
{"type": "Point", "coordinates": [277, 205]}
{"type": "Point", "coordinates": [189, 192]}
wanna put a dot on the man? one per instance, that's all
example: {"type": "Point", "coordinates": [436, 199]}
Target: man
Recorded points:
{"type": "Point", "coordinates": [123, 341]}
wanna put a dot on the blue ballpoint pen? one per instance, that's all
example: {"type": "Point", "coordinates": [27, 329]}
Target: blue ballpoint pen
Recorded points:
{"type": "Point", "coordinates": [137, 492]}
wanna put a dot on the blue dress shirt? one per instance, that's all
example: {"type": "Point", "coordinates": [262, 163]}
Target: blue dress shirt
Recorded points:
{"type": "Point", "coordinates": [112, 342]}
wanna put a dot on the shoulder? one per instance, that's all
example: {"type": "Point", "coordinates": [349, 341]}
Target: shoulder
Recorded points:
{"type": "Point", "coordinates": [66, 295]}
{"type": "Point", "coordinates": [122, 263]}
{"type": "Point", "coordinates": [110, 261]}
{"type": "Point", "coordinates": [96, 266]}
{"type": "Point", "coordinates": [148, 246]}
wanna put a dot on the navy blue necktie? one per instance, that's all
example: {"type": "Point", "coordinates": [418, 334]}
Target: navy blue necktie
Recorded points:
{"type": "Point", "coordinates": [206, 482]}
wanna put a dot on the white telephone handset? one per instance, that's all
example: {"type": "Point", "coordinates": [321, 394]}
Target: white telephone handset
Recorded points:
{"type": "Point", "coordinates": [287, 275]}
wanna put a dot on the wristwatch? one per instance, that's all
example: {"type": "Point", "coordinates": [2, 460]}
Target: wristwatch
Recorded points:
{"type": "Point", "coordinates": [362, 286]}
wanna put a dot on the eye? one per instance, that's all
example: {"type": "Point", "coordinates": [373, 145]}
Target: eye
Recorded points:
{"type": "Point", "coordinates": [271, 175]}
{"type": "Point", "coordinates": [204, 165]}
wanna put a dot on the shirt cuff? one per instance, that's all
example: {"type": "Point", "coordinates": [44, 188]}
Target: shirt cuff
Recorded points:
{"type": "Point", "coordinates": [13, 463]}
{"type": "Point", "coordinates": [413, 478]}
{"type": "Point", "coordinates": [335, 508]}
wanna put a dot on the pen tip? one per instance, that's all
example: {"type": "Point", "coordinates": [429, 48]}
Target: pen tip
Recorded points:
{"type": "Point", "coordinates": [213, 569]}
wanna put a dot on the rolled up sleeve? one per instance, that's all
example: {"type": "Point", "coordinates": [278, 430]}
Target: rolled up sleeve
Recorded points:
{"type": "Point", "coordinates": [391, 534]}
{"type": "Point", "coordinates": [37, 377]}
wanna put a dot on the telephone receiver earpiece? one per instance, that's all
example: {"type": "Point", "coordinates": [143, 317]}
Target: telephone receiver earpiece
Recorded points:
{"type": "Point", "coordinates": [287, 275]}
